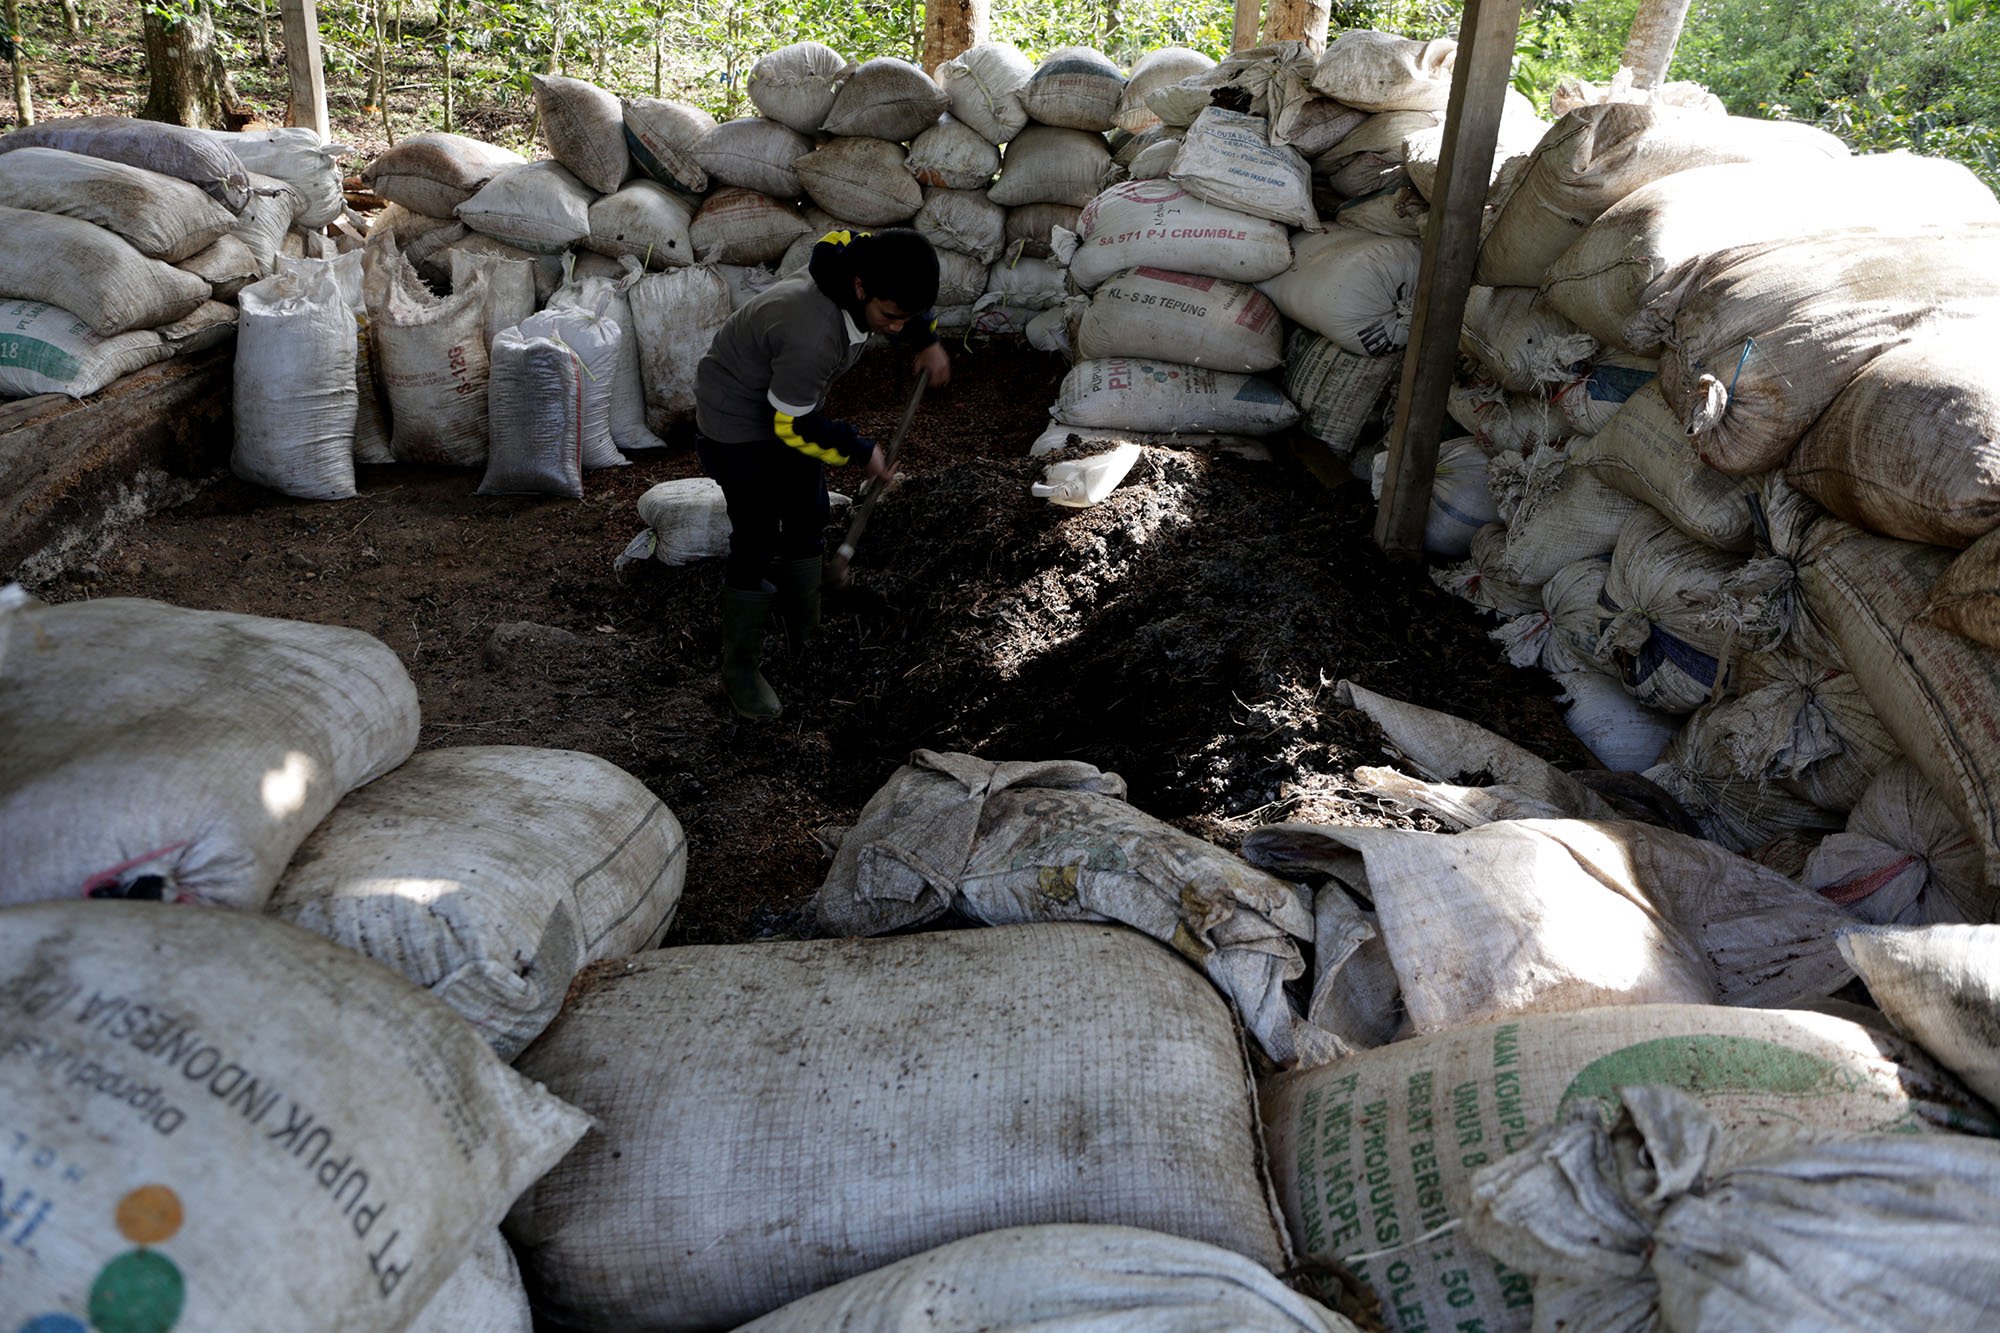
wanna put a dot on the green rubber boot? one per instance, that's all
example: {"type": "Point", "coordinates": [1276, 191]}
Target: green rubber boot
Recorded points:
{"type": "Point", "coordinates": [798, 600]}
{"type": "Point", "coordinates": [743, 616]}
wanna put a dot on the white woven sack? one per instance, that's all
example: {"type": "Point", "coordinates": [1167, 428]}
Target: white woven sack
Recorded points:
{"type": "Point", "coordinates": [1045, 164]}
{"type": "Point", "coordinates": [965, 221]}
{"type": "Point", "coordinates": [1058, 437]}
{"type": "Point", "coordinates": [885, 98]}
{"type": "Point", "coordinates": [483, 1294]}
{"type": "Point", "coordinates": [1615, 268]}
{"type": "Point", "coordinates": [1395, 210]}
{"type": "Point", "coordinates": [739, 226]}
{"type": "Point", "coordinates": [584, 322]}
{"type": "Point", "coordinates": [1805, 725]}
{"type": "Point", "coordinates": [430, 358]}
{"type": "Point", "coordinates": [1031, 227]}
{"type": "Point", "coordinates": [1083, 1279]}
{"type": "Point", "coordinates": [795, 85]}
{"type": "Point", "coordinates": [1503, 422]}
{"type": "Point", "coordinates": [1383, 136]}
{"type": "Point", "coordinates": [1422, 145]}
{"type": "Point", "coordinates": [1473, 580]}
{"type": "Point", "coordinates": [1337, 391]}
{"type": "Point", "coordinates": [510, 289]}
{"type": "Point", "coordinates": [91, 273]}
{"type": "Point", "coordinates": [371, 432]}
{"type": "Point", "coordinates": [293, 400]}
{"type": "Point", "coordinates": [1461, 503]}
{"type": "Point", "coordinates": [1931, 688]}
{"type": "Point", "coordinates": [708, 1216]}
{"type": "Point", "coordinates": [864, 180]}
{"type": "Point", "coordinates": [1699, 770]}
{"type": "Point", "coordinates": [1166, 396]}
{"type": "Point", "coordinates": [1904, 857]}
{"type": "Point", "coordinates": [675, 315]}
{"type": "Point", "coordinates": [1518, 340]}
{"type": "Point", "coordinates": [689, 519]}
{"type": "Point", "coordinates": [1639, 1225]}
{"type": "Point", "coordinates": [1620, 732]}
{"type": "Point", "coordinates": [1197, 321]}
{"type": "Point", "coordinates": [1352, 286]}
{"type": "Point", "coordinates": [663, 138]}
{"type": "Point", "coordinates": [1911, 447]}
{"type": "Point", "coordinates": [645, 220]}
{"type": "Point", "coordinates": [1564, 515]}
{"type": "Point", "coordinates": [1025, 284]}
{"type": "Point", "coordinates": [961, 280]}
{"type": "Point", "coordinates": [1594, 397]}
{"type": "Point", "coordinates": [1075, 87]}
{"type": "Point", "coordinates": [1243, 78]}
{"type": "Point", "coordinates": [534, 402]}
{"type": "Point", "coordinates": [1574, 622]}
{"type": "Point", "coordinates": [1156, 69]}
{"type": "Point", "coordinates": [756, 154]}
{"type": "Point", "coordinates": [1228, 159]}
{"type": "Point", "coordinates": [954, 156]}
{"type": "Point", "coordinates": [1596, 155]}
{"type": "Point", "coordinates": [160, 217]}
{"type": "Point", "coordinates": [272, 722]}
{"type": "Point", "coordinates": [297, 156]}
{"type": "Point", "coordinates": [300, 1082]}
{"type": "Point", "coordinates": [1429, 1112]}
{"type": "Point", "coordinates": [49, 350]}
{"type": "Point", "coordinates": [1155, 162]}
{"type": "Point", "coordinates": [585, 129]}
{"type": "Point", "coordinates": [1643, 453]}
{"type": "Point", "coordinates": [266, 221]}
{"type": "Point", "coordinates": [226, 266]}
{"type": "Point", "coordinates": [171, 150]}
{"type": "Point", "coordinates": [1940, 986]}
{"type": "Point", "coordinates": [984, 83]}
{"type": "Point", "coordinates": [608, 298]}
{"type": "Point", "coordinates": [1380, 71]}
{"type": "Point", "coordinates": [1966, 597]}
{"type": "Point", "coordinates": [432, 173]}
{"type": "Point", "coordinates": [540, 207]}
{"type": "Point", "coordinates": [1665, 620]}
{"type": "Point", "coordinates": [494, 916]}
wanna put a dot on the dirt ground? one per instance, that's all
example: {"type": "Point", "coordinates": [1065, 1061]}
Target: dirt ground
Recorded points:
{"type": "Point", "coordinates": [1186, 634]}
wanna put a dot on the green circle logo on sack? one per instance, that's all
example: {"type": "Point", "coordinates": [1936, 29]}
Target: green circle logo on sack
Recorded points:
{"type": "Point", "coordinates": [1741, 1070]}
{"type": "Point", "coordinates": [139, 1291]}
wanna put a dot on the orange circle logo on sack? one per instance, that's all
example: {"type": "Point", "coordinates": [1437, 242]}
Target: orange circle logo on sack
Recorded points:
{"type": "Point", "coordinates": [139, 1291]}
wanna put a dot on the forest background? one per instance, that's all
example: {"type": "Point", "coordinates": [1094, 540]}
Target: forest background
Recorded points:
{"type": "Point", "coordinates": [1882, 74]}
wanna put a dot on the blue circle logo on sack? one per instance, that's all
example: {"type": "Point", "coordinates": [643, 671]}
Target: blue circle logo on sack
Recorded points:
{"type": "Point", "coordinates": [139, 1291]}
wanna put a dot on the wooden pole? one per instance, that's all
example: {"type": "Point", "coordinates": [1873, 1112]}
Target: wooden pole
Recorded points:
{"type": "Point", "coordinates": [1479, 84]}
{"type": "Point", "coordinates": [1650, 47]}
{"type": "Point", "coordinates": [305, 71]}
{"type": "Point", "coordinates": [1243, 32]}
{"type": "Point", "coordinates": [953, 27]}
{"type": "Point", "coordinates": [1298, 21]}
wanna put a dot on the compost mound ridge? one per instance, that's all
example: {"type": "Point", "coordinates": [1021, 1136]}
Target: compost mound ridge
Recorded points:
{"type": "Point", "coordinates": [1186, 633]}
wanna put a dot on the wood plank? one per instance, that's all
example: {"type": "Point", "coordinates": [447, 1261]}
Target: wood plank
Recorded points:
{"type": "Point", "coordinates": [65, 463]}
{"type": "Point", "coordinates": [1243, 31]}
{"type": "Point", "coordinates": [305, 69]}
{"type": "Point", "coordinates": [1479, 84]}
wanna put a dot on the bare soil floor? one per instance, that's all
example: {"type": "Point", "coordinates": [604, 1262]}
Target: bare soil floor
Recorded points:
{"type": "Point", "coordinates": [1186, 634]}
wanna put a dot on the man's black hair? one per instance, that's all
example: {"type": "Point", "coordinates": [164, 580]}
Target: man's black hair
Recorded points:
{"type": "Point", "coordinates": [896, 265]}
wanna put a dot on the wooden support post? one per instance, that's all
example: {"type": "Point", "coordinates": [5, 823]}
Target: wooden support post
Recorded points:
{"type": "Point", "coordinates": [1479, 84]}
{"type": "Point", "coordinates": [305, 71]}
{"type": "Point", "coordinates": [1650, 47]}
{"type": "Point", "coordinates": [1243, 32]}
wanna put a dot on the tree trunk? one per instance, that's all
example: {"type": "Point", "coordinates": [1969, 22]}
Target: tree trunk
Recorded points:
{"type": "Point", "coordinates": [953, 27]}
{"type": "Point", "coordinates": [24, 97]}
{"type": "Point", "coordinates": [189, 85]}
{"type": "Point", "coordinates": [1243, 30]}
{"type": "Point", "coordinates": [264, 55]}
{"type": "Point", "coordinates": [450, 99]}
{"type": "Point", "coordinates": [1650, 47]}
{"type": "Point", "coordinates": [1298, 21]}
{"type": "Point", "coordinates": [72, 19]}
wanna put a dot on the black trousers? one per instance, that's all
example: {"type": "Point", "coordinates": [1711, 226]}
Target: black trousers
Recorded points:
{"type": "Point", "coordinates": [777, 504]}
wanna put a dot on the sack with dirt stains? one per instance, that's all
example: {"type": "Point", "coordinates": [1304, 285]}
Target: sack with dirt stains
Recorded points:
{"type": "Point", "coordinates": [1004, 844]}
{"type": "Point", "coordinates": [1702, 770]}
{"type": "Point", "coordinates": [585, 129]}
{"type": "Point", "coordinates": [166, 1100]}
{"type": "Point", "coordinates": [1156, 69]}
{"type": "Point", "coordinates": [1560, 515]}
{"type": "Point", "coordinates": [1379, 1151]}
{"type": "Point", "coordinates": [863, 180]}
{"type": "Point", "coordinates": [490, 876]}
{"type": "Point", "coordinates": [610, 299]}
{"type": "Point", "coordinates": [1475, 582]}
{"type": "Point", "coordinates": [157, 752]}
{"type": "Point", "coordinates": [1805, 725]}
{"type": "Point", "coordinates": [663, 138]}
{"type": "Point", "coordinates": [644, 220]}
{"type": "Point", "coordinates": [1228, 159]}
{"type": "Point", "coordinates": [541, 207]}
{"type": "Point", "coordinates": [1589, 401]}
{"type": "Point", "coordinates": [984, 83]}
{"type": "Point", "coordinates": [1940, 986]}
{"type": "Point", "coordinates": [795, 85]}
{"type": "Point", "coordinates": [46, 349]}
{"type": "Point", "coordinates": [953, 156]}
{"type": "Point", "coordinates": [266, 221]}
{"type": "Point", "coordinates": [171, 150]}
{"type": "Point", "coordinates": [965, 221]}
{"type": "Point", "coordinates": [1074, 87]}
{"type": "Point", "coordinates": [294, 400]}
{"type": "Point", "coordinates": [160, 217]}
{"type": "Point", "coordinates": [1561, 635]}
{"type": "Point", "coordinates": [1338, 392]}
{"type": "Point", "coordinates": [1158, 224]}
{"type": "Point", "coordinates": [1033, 1074]}
{"type": "Point", "coordinates": [1518, 340]}
{"type": "Point", "coordinates": [432, 173]}
{"type": "Point", "coordinates": [92, 273]}
{"type": "Point", "coordinates": [1904, 858]}
{"type": "Point", "coordinates": [1047, 164]}
{"type": "Point", "coordinates": [483, 1293]}
{"type": "Point", "coordinates": [885, 99]}
{"type": "Point", "coordinates": [742, 227]}
{"type": "Point", "coordinates": [1643, 453]}
{"type": "Point", "coordinates": [1201, 321]}
{"type": "Point", "coordinates": [1381, 71]}
{"type": "Point", "coordinates": [1085, 1279]}
{"type": "Point", "coordinates": [1640, 1224]}
{"type": "Point", "coordinates": [430, 359]}
{"type": "Point", "coordinates": [297, 156]}
{"type": "Point", "coordinates": [535, 404]}
{"type": "Point", "coordinates": [227, 267]}
{"type": "Point", "coordinates": [675, 315]}
{"type": "Point", "coordinates": [510, 289]}
{"type": "Point", "coordinates": [1167, 396]}
{"type": "Point", "coordinates": [1352, 286]}
{"type": "Point", "coordinates": [756, 154]}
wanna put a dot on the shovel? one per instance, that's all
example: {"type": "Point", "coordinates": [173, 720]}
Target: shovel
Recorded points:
{"type": "Point", "coordinates": [837, 575]}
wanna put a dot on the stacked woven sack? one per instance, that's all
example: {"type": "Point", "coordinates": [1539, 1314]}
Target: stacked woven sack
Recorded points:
{"type": "Point", "coordinates": [123, 242]}
{"type": "Point", "coordinates": [1695, 336]}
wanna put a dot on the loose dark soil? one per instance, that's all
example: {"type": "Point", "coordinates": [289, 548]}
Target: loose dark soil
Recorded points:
{"type": "Point", "coordinates": [1186, 634]}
